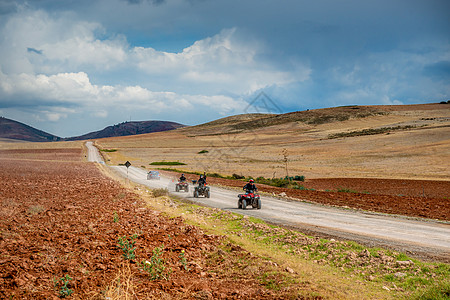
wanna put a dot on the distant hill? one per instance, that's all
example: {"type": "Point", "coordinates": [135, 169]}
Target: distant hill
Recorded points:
{"type": "Point", "coordinates": [129, 128]}
{"type": "Point", "coordinates": [245, 122]}
{"type": "Point", "coordinates": [249, 122]}
{"type": "Point", "coordinates": [10, 129]}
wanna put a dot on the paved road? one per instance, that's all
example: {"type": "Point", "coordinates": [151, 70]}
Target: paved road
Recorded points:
{"type": "Point", "coordinates": [93, 153]}
{"type": "Point", "coordinates": [425, 239]}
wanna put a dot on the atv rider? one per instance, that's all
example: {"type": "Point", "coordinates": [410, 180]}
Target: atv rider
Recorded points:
{"type": "Point", "coordinates": [201, 181]}
{"type": "Point", "coordinates": [182, 178]}
{"type": "Point", "coordinates": [250, 187]}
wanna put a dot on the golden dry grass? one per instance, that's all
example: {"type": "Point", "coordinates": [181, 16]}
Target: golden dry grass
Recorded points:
{"type": "Point", "coordinates": [420, 152]}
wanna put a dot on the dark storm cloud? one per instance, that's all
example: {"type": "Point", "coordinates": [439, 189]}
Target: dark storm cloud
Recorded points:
{"type": "Point", "coordinates": [7, 6]}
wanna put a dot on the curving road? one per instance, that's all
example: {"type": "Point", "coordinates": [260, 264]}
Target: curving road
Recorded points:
{"type": "Point", "coordinates": [420, 238]}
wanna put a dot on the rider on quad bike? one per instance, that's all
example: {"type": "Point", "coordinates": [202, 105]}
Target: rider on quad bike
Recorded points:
{"type": "Point", "coordinates": [201, 181]}
{"type": "Point", "coordinates": [250, 186]}
{"type": "Point", "coordinates": [202, 189]}
{"type": "Point", "coordinates": [182, 184]}
{"type": "Point", "coordinates": [182, 178]}
{"type": "Point", "coordinates": [250, 197]}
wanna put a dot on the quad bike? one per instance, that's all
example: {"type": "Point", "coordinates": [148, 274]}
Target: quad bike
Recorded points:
{"type": "Point", "coordinates": [201, 190]}
{"type": "Point", "coordinates": [249, 198]}
{"type": "Point", "coordinates": [182, 186]}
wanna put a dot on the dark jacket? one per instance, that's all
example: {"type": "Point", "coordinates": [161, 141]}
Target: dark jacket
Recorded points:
{"type": "Point", "coordinates": [201, 181]}
{"type": "Point", "coordinates": [250, 187]}
{"type": "Point", "coordinates": [182, 178]}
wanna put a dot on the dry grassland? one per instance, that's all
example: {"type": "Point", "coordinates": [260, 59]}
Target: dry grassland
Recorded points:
{"type": "Point", "coordinates": [416, 147]}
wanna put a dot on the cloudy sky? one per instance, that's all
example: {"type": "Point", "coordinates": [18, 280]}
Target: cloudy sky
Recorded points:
{"type": "Point", "coordinates": [72, 67]}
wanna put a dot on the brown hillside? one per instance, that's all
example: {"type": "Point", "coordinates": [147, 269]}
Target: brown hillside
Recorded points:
{"type": "Point", "coordinates": [404, 142]}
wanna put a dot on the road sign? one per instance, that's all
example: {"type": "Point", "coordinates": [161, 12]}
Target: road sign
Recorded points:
{"type": "Point", "coordinates": [127, 164]}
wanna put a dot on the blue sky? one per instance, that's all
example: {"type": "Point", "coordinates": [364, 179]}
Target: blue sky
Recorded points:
{"type": "Point", "coordinates": [72, 67]}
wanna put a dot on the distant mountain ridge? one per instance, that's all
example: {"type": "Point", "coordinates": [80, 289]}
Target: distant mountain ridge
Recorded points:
{"type": "Point", "coordinates": [14, 130]}
{"type": "Point", "coordinates": [10, 129]}
{"type": "Point", "coordinates": [129, 128]}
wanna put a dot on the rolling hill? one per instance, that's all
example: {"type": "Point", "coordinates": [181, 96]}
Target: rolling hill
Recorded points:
{"type": "Point", "coordinates": [13, 130]}
{"type": "Point", "coordinates": [10, 129]}
{"type": "Point", "coordinates": [129, 128]}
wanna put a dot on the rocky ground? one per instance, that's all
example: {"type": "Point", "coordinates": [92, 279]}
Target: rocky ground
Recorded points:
{"type": "Point", "coordinates": [66, 229]}
{"type": "Point", "coordinates": [415, 198]}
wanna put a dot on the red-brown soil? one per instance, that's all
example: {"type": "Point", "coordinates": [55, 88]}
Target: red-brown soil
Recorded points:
{"type": "Point", "coordinates": [57, 218]}
{"type": "Point", "coordinates": [415, 198]}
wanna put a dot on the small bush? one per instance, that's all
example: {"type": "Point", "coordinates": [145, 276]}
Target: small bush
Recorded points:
{"type": "Point", "coordinates": [236, 176]}
{"type": "Point", "coordinates": [156, 266]}
{"type": "Point", "coordinates": [215, 175]}
{"type": "Point", "coordinates": [62, 283]}
{"type": "Point", "coordinates": [299, 178]}
{"type": "Point", "coordinates": [203, 151]}
{"type": "Point", "coordinates": [160, 192]}
{"type": "Point", "coordinates": [127, 246]}
{"type": "Point", "coordinates": [278, 182]}
{"type": "Point", "coordinates": [108, 150]}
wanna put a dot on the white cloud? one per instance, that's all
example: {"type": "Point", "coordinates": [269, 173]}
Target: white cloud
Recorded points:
{"type": "Point", "coordinates": [62, 44]}
{"type": "Point", "coordinates": [76, 90]}
{"type": "Point", "coordinates": [222, 62]}
{"type": "Point", "coordinates": [48, 63]}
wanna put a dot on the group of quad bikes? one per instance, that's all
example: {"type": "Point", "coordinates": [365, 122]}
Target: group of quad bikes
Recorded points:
{"type": "Point", "coordinates": [202, 189]}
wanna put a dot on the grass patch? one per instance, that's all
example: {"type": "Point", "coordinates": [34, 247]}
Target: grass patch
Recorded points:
{"type": "Point", "coordinates": [286, 182]}
{"type": "Point", "coordinates": [167, 163]}
{"type": "Point", "coordinates": [440, 291]}
{"type": "Point", "coordinates": [108, 150]}
{"type": "Point", "coordinates": [334, 265]}
{"type": "Point", "coordinates": [203, 151]}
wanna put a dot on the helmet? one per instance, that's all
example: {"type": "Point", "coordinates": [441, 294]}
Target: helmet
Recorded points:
{"type": "Point", "coordinates": [201, 176]}
{"type": "Point", "coordinates": [182, 174]}
{"type": "Point", "coordinates": [251, 181]}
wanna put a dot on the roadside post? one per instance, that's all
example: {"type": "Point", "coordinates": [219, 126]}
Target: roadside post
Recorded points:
{"type": "Point", "coordinates": [127, 164]}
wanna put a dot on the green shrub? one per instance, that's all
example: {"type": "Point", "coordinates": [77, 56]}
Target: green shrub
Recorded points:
{"type": "Point", "coordinates": [108, 150]}
{"type": "Point", "coordinates": [62, 283]}
{"type": "Point", "coordinates": [127, 246]}
{"type": "Point", "coordinates": [278, 182]}
{"type": "Point", "coordinates": [203, 151]}
{"type": "Point", "coordinates": [167, 163]}
{"type": "Point", "coordinates": [299, 178]}
{"type": "Point", "coordinates": [183, 260]}
{"type": "Point", "coordinates": [156, 266]}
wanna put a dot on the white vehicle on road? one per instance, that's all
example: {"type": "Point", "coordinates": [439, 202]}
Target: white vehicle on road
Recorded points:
{"type": "Point", "coordinates": [153, 175]}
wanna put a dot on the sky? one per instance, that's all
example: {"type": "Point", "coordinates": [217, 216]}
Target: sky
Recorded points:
{"type": "Point", "coordinates": [73, 67]}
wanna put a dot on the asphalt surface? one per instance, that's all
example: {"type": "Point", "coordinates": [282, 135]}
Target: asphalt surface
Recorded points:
{"type": "Point", "coordinates": [424, 239]}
